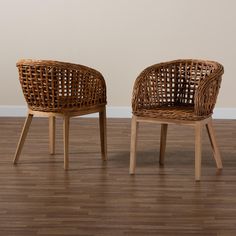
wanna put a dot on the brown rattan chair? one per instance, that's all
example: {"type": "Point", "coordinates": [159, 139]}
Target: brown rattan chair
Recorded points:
{"type": "Point", "coordinates": [182, 92]}
{"type": "Point", "coordinates": [53, 88]}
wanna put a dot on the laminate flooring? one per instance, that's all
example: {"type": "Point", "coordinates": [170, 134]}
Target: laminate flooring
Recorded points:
{"type": "Point", "coordinates": [37, 197]}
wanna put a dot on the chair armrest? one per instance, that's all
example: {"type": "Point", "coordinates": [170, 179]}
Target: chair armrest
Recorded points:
{"type": "Point", "coordinates": [142, 97]}
{"type": "Point", "coordinates": [155, 87]}
{"type": "Point", "coordinates": [207, 92]}
{"type": "Point", "coordinates": [90, 88]}
{"type": "Point", "coordinates": [137, 95]}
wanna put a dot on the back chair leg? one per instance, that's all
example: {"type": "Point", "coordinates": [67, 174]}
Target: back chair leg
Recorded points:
{"type": "Point", "coordinates": [216, 152]}
{"type": "Point", "coordinates": [66, 141]}
{"type": "Point", "coordinates": [103, 133]}
{"type": "Point", "coordinates": [23, 137]}
{"type": "Point", "coordinates": [198, 150]}
{"type": "Point", "coordinates": [133, 144]}
{"type": "Point", "coordinates": [163, 143]}
{"type": "Point", "coordinates": [52, 132]}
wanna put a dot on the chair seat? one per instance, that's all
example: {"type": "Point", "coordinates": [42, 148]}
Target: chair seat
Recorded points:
{"type": "Point", "coordinates": [168, 112]}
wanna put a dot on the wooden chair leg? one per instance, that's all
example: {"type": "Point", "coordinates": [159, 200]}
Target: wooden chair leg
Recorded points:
{"type": "Point", "coordinates": [52, 132]}
{"type": "Point", "coordinates": [66, 141]}
{"type": "Point", "coordinates": [198, 150]}
{"type": "Point", "coordinates": [163, 143]}
{"type": "Point", "coordinates": [23, 137]}
{"type": "Point", "coordinates": [103, 133]}
{"type": "Point", "coordinates": [133, 144]}
{"type": "Point", "coordinates": [216, 152]}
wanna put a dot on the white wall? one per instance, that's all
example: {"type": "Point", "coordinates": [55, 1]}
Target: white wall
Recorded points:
{"type": "Point", "coordinates": [117, 37]}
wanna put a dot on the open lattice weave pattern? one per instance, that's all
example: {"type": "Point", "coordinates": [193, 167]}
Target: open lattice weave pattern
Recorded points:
{"type": "Point", "coordinates": [53, 86]}
{"type": "Point", "coordinates": [180, 89]}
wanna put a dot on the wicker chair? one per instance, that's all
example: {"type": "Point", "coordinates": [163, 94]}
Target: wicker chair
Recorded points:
{"type": "Point", "coordinates": [182, 92]}
{"type": "Point", "coordinates": [53, 88]}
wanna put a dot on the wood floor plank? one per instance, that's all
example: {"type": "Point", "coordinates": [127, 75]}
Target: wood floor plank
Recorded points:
{"type": "Point", "coordinates": [37, 197]}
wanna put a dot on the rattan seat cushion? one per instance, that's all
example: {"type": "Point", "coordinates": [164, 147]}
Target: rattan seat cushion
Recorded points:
{"type": "Point", "coordinates": [171, 112]}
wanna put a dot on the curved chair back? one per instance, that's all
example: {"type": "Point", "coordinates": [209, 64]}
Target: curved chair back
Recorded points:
{"type": "Point", "coordinates": [53, 86]}
{"type": "Point", "coordinates": [178, 83]}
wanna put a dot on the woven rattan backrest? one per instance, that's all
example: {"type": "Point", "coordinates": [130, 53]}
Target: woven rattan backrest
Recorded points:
{"type": "Point", "coordinates": [171, 83]}
{"type": "Point", "coordinates": [58, 86]}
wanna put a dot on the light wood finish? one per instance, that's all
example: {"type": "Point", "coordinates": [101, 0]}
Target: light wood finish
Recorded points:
{"type": "Point", "coordinates": [198, 150]}
{"type": "Point", "coordinates": [170, 121]}
{"type": "Point", "coordinates": [66, 126]}
{"type": "Point", "coordinates": [38, 198]}
{"type": "Point", "coordinates": [61, 89]}
{"type": "Point", "coordinates": [198, 146]}
{"type": "Point", "coordinates": [52, 133]}
{"type": "Point", "coordinates": [103, 133]}
{"type": "Point", "coordinates": [163, 143]}
{"type": "Point", "coordinates": [24, 133]}
{"type": "Point", "coordinates": [70, 114]}
{"type": "Point", "coordinates": [52, 125]}
{"type": "Point", "coordinates": [133, 144]}
{"type": "Point", "coordinates": [216, 152]}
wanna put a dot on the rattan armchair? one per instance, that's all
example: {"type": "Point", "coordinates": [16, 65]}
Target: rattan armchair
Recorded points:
{"type": "Point", "coordinates": [182, 92]}
{"type": "Point", "coordinates": [52, 89]}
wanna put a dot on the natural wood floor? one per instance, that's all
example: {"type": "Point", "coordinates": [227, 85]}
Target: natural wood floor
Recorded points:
{"type": "Point", "coordinates": [94, 198]}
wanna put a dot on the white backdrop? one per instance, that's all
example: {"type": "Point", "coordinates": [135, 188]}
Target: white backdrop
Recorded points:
{"type": "Point", "coordinates": [117, 37]}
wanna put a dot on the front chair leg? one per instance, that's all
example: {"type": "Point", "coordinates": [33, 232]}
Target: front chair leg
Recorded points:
{"type": "Point", "coordinates": [52, 132]}
{"type": "Point", "coordinates": [198, 150]}
{"type": "Point", "coordinates": [133, 144]}
{"type": "Point", "coordinates": [103, 133]}
{"type": "Point", "coordinates": [23, 137]}
{"type": "Point", "coordinates": [163, 143]}
{"type": "Point", "coordinates": [66, 141]}
{"type": "Point", "coordinates": [216, 152]}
